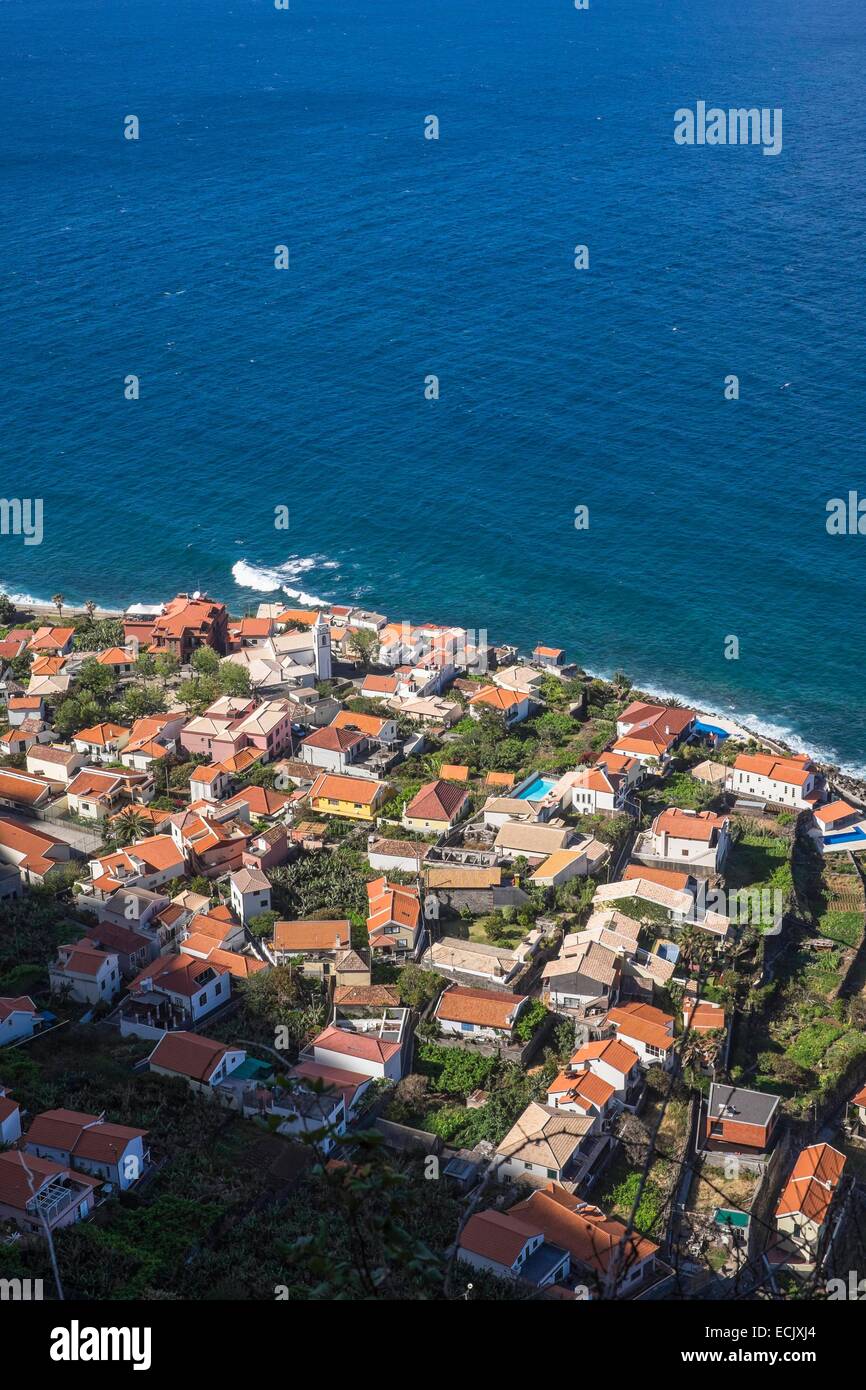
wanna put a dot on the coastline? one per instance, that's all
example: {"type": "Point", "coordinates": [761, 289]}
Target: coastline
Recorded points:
{"type": "Point", "coordinates": [852, 777]}
{"type": "Point", "coordinates": [70, 610]}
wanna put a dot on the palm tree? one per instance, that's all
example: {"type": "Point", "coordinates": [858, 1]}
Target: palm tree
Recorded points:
{"type": "Point", "coordinates": [58, 600]}
{"type": "Point", "coordinates": [90, 608]}
{"type": "Point", "coordinates": [697, 949]}
{"type": "Point", "coordinates": [129, 826]}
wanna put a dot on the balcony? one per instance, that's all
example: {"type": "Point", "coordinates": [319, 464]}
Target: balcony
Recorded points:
{"type": "Point", "coordinates": [55, 1199]}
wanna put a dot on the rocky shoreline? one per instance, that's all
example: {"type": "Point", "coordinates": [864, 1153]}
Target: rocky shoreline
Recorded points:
{"type": "Point", "coordinates": [845, 783]}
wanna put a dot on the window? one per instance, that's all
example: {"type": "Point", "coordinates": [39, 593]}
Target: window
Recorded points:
{"type": "Point", "coordinates": [202, 1000]}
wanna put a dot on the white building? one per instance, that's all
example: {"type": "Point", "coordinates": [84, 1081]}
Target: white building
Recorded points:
{"type": "Point", "coordinates": [694, 839]}
{"type": "Point", "coordinates": [368, 1046]}
{"type": "Point", "coordinates": [89, 1144]}
{"type": "Point", "coordinates": [10, 1117]}
{"type": "Point", "coordinates": [18, 1018]}
{"type": "Point", "coordinates": [202, 1063]}
{"type": "Point", "coordinates": [250, 893]}
{"type": "Point", "coordinates": [545, 1143]}
{"type": "Point", "coordinates": [481, 1014]}
{"type": "Point", "coordinates": [647, 1031]}
{"type": "Point", "coordinates": [791, 782]}
{"type": "Point", "coordinates": [603, 787]}
{"type": "Point", "coordinates": [85, 974]}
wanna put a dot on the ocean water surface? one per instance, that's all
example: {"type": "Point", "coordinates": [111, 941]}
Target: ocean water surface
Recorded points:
{"type": "Point", "coordinates": [409, 257]}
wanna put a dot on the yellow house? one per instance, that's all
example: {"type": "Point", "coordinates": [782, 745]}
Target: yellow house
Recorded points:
{"type": "Point", "coordinates": [359, 798]}
{"type": "Point", "coordinates": [436, 807]}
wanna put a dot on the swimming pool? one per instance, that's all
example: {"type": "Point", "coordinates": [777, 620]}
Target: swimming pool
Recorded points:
{"type": "Point", "coordinates": [702, 727]}
{"type": "Point", "coordinates": [848, 838]}
{"type": "Point", "coordinates": [537, 789]}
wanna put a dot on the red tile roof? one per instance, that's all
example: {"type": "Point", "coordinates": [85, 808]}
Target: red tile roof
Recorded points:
{"type": "Point", "coordinates": [437, 801]}
{"type": "Point", "coordinates": [589, 1236]}
{"type": "Point", "coordinates": [312, 936]}
{"type": "Point", "coordinates": [334, 740]}
{"type": "Point", "coordinates": [498, 1236]}
{"type": "Point", "coordinates": [21, 1174]}
{"type": "Point", "coordinates": [688, 825]}
{"type": "Point", "coordinates": [392, 904]}
{"type": "Point", "coordinates": [180, 974]}
{"type": "Point", "coordinates": [81, 1135]}
{"type": "Point", "coordinates": [631, 1023]}
{"type": "Point", "coordinates": [16, 1004]}
{"type": "Point", "coordinates": [364, 1045]}
{"type": "Point", "coordinates": [813, 1182]}
{"type": "Point", "coordinates": [487, 1008]}
{"type": "Point", "coordinates": [617, 1055]}
{"type": "Point", "coordinates": [189, 1054]}
{"type": "Point", "coordinates": [496, 698]}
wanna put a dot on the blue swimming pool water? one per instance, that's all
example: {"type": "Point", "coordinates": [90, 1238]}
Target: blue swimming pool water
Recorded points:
{"type": "Point", "coordinates": [705, 728]}
{"type": "Point", "coordinates": [537, 789]}
{"type": "Point", "coordinates": [845, 839]}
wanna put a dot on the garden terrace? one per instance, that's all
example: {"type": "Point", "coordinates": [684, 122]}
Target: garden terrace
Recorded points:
{"type": "Point", "coordinates": [760, 862]}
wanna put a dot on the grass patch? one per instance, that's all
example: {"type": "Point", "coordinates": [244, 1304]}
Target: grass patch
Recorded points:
{"type": "Point", "coordinates": [813, 1044]}
{"type": "Point", "coordinates": [845, 927]}
{"type": "Point", "coordinates": [508, 935]}
{"type": "Point", "coordinates": [759, 863]}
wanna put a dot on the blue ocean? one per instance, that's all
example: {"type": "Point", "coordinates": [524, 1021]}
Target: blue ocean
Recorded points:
{"type": "Point", "coordinates": [409, 258]}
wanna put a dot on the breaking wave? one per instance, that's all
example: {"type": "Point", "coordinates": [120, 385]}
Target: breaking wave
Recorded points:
{"type": "Point", "coordinates": [750, 723]}
{"type": "Point", "coordinates": [267, 580]}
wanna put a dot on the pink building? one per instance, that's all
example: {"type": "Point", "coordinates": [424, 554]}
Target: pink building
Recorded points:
{"type": "Point", "coordinates": [268, 850]}
{"type": "Point", "coordinates": [221, 732]}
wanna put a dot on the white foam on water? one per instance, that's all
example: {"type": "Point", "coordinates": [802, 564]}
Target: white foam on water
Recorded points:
{"type": "Point", "coordinates": [750, 723]}
{"type": "Point", "coordinates": [267, 579]}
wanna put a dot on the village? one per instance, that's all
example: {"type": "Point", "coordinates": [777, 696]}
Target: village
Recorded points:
{"type": "Point", "coordinates": [321, 933]}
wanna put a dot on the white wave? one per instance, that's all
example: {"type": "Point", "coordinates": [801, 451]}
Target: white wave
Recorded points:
{"type": "Point", "coordinates": [267, 579]}
{"type": "Point", "coordinates": [70, 605]}
{"type": "Point", "coordinates": [759, 726]}
{"type": "Point", "coordinates": [23, 599]}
